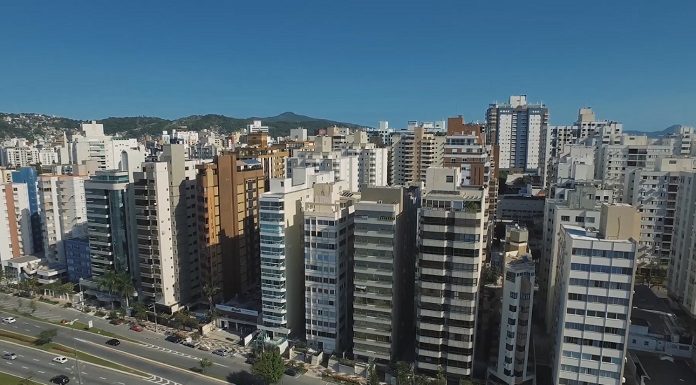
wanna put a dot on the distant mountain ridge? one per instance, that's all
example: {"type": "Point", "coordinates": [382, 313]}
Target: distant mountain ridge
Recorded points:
{"type": "Point", "coordinates": [32, 125]}
{"type": "Point", "coordinates": [657, 134]}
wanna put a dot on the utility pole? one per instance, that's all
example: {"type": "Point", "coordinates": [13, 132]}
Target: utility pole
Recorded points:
{"type": "Point", "coordinates": [77, 358]}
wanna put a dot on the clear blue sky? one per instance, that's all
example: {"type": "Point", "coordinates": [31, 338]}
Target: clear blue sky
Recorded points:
{"type": "Point", "coordinates": [357, 61]}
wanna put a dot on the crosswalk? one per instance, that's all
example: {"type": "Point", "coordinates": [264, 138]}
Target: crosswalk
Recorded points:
{"type": "Point", "coordinates": [161, 380]}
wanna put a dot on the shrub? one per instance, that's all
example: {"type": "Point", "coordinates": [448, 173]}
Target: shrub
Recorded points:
{"type": "Point", "coordinates": [68, 304]}
{"type": "Point", "coordinates": [99, 313]}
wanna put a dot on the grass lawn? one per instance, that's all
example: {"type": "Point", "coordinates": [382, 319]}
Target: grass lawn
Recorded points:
{"type": "Point", "coordinates": [65, 351]}
{"type": "Point", "coordinates": [12, 380]}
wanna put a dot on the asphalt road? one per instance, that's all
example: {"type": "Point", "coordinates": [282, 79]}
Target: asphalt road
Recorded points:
{"type": "Point", "coordinates": [37, 366]}
{"type": "Point", "coordinates": [154, 355]}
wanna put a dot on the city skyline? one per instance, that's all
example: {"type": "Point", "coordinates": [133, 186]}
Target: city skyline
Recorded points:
{"type": "Point", "coordinates": [358, 62]}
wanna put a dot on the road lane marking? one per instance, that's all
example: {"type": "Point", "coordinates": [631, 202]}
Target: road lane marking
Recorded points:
{"type": "Point", "coordinates": [102, 378]}
{"type": "Point", "coordinates": [35, 359]}
{"type": "Point", "coordinates": [41, 371]}
{"type": "Point", "coordinates": [24, 367]}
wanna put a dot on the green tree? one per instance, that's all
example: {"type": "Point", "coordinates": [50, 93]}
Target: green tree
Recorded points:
{"type": "Point", "coordinates": [372, 376]}
{"type": "Point", "coordinates": [204, 364]}
{"type": "Point", "coordinates": [441, 378]}
{"type": "Point", "coordinates": [109, 281]}
{"type": "Point", "coordinates": [420, 380]}
{"type": "Point", "coordinates": [210, 293]}
{"type": "Point", "coordinates": [270, 366]}
{"type": "Point", "coordinates": [139, 311]}
{"type": "Point", "coordinates": [124, 286]}
{"type": "Point", "coordinates": [403, 373]}
{"type": "Point", "coordinates": [46, 336]}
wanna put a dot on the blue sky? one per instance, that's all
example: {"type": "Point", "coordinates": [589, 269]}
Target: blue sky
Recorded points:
{"type": "Point", "coordinates": [357, 61]}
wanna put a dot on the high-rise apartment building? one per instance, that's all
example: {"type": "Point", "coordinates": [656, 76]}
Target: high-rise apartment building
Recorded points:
{"type": "Point", "coordinates": [681, 282]}
{"type": "Point", "coordinates": [373, 161]}
{"type": "Point", "coordinates": [451, 252]}
{"type": "Point", "coordinates": [596, 273]}
{"type": "Point", "coordinates": [241, 182]}
{"type": "Point", "coordinates": [413, 152]}
{"type": "Point", "coordinates": [167, 246]}
{"type": "Point", "coordinates": [513, 366]}
{"type": "Point", "coordinates": [16, 202]}
{"type": "Point", "coordinates": [517, 128]}
{"type": "Point", "coordinates": [654, 193]}
{"type": "Point", "coordinates": [579, 206]}
{"type": "Point", "coordinates": [282, 253]}
{"type": "Point", "coordinates": [328, 259]}
{"type": "Point", "coordinates": [29, 177]}
{"type": "Point", "coordinates": [110, 223]}
{"type": "Point", "coordinates": [385, 248]}
{"type": "Point", "coordinates": [63, 213]}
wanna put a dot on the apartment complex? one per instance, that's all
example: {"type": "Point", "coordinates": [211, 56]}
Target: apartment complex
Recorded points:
{"type": "Point", "coordinates": [594, 298]}
{"type": "Point", "coordinates": [385, 232]}
{"type": "Point", "coordinates": [451, 243]}
{"type": "Point", "coordinates": [282, 253]}
{"type": "Point", "coordinates": [328, 261]}
{"type": "Point", "coordinates": [579, 206]}
{"type": "Point", "coordinates": [413, 152]}
{"type": "Point", "coordinates": [63, 213]}
{"type": "Point", "coordinates": [110, 223]}
{"type": "Point", "coordinates": [517, 127]}
{"type": "Point", "coordinates": [681, 281]}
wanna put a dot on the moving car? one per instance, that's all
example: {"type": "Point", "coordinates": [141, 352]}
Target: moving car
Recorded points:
{"type": "Point", "coordinates": [221, 352]}
{"type": "Point", "coordinates": [60, 359]}
{"type": "Point", "coordinates": [136, 328]}
{"type": "Point", "coordinates": [9, 320]}
{"type": "Point", "coordinates": [9, 356]}
{"type": "Point", "coordinates": [113, 342]}
{"type": "Point", "coordinates": [174, 338]}
{"type": "Point", "coordinates": [60, 379]}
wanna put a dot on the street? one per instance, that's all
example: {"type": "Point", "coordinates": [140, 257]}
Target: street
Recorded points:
{"type": "Point", "coordinates": [153, 355]}
{"type": "Point", "coordinates": [37, 365]}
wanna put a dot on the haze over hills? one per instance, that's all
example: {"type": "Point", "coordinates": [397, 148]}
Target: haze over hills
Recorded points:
{"type": "Point", "coordinates": [31, 124]}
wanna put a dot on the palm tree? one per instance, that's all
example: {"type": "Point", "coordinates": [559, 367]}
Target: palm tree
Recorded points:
{"type": "Point", "coordinates": [210, 292]}
{"type": "Point", "coordinates": [109, 281]}
{"type": "Point", "coordinates": [125, 286]}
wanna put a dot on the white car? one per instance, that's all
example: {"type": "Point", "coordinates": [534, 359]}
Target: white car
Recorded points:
{"type": "Point", "coordinates": [9, 356]}
{"type": "Point", "coordinates": [60, 359]}
{"type": "Point", "coordinates": [9, 320]}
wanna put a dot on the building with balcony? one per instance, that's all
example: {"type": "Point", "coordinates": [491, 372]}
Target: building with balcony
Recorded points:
{"type": "Point", "coordinates": [517, 127]}
{"type": "Point", "coordinates": [681, 282]}
{"type": "Point", "coordinates": [63, 213]}
{"type": "Point", "coordinates": [451, 223]}
{"type": "Point", "coordinates": [594, 295]}
{"type": "Point", "coordinates": [414, 152]}
{"type": "Point", "coordinates": [385, 249]}
{"type": "Point", "coordinates": [328, 259]}
{"type": "Point", "coordinates": [282, 253]}
{"type": "Point", "coordinates": [29, 177]}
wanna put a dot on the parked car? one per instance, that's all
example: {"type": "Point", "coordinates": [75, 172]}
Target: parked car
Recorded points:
{"type": "Point", "coordinates": [60, 379]}
{"type": "Point", "coordinates": [9, 320]}
{"type": "Point", "coordinates": [60, 359]}
{"type": "Point", "coordinates": [292, 372]}
{"type": "Point", "coordinates": [190, 344]}
{"type": "Point", "coordinates": [221, 352]}
{"type": "Point", "coordinates": [9, 356]}
{"type": "Point", "coordinates": [174, 338]}
{"type": "Point", "coordinates": [113, 342]}
{"type": "Point", "coordinates": [136, 328]}
{"type": "Point", "coordinates": [250, 360]}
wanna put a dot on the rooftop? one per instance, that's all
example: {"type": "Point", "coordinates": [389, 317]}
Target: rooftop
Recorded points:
{"type": "Point", "coordinates": [645, 298]}
{"type": "Point", "coordinates": [664, 370]}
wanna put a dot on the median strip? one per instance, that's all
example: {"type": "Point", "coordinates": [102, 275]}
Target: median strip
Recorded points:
{"type": "Point", "coordinates": [7, 378]}
{"type": "Point", "coordinates": [52, 347]}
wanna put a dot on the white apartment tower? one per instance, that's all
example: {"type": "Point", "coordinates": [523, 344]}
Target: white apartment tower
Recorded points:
{"type": "Point", "coordinates": [682, 278]}
{"type": "Point", "coordinates": [513, 365]}
{"type": "Point", "coordinates": [283, 252]}
{"type": "Point", "coordinates": [385, 230]}
{"type": "Point", "coordinates": [517, 128]}
{"type": "Point", "coordinates": [166, 247]}
{"type": "Point", "coordinates": [328, 258]}
{"type": "Point", "coordinates": [578, 206]}
{"type": "Point", "coordinates": [595, 280]}
{"type": "Point", "coordinates": [63, 213]}
{"type": "Point", "coordinates": [451, 244]}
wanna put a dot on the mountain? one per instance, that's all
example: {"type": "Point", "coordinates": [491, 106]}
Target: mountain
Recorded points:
{"type": "Point", "coordinates": [657, 134]}
{"type": "Point", "coordinates": [32, 125]}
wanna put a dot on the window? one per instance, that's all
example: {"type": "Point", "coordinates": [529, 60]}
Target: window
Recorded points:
{"type": "Point", "coordinates": [565, 218]}
{"type": "Point", "coordinates": [449, 178]}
